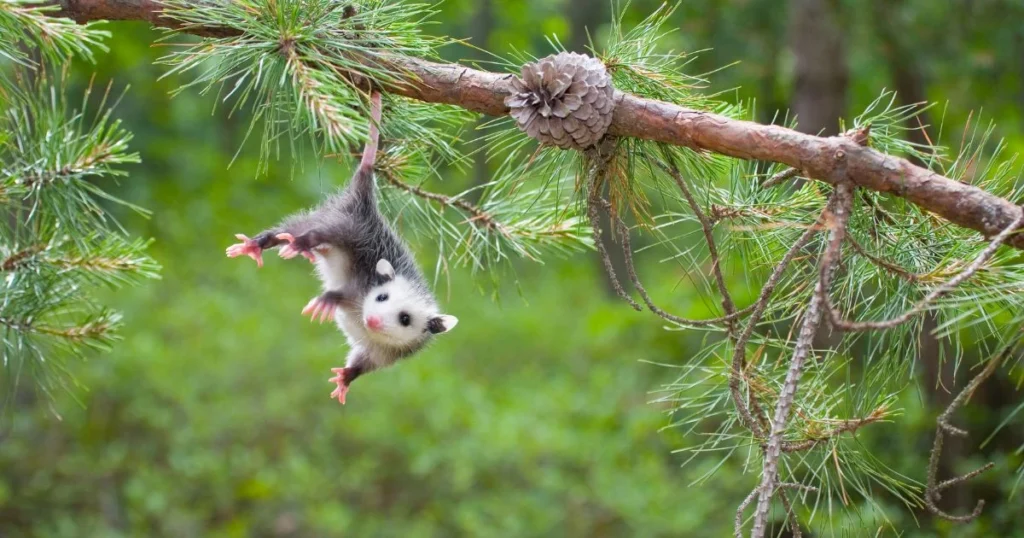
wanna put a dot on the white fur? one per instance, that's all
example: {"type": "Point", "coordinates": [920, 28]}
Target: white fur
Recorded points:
{"type": "Point", "coordinates": [333, 266]}
{"type": "Point", "coordinates": [402, 296]}
{"type": "Point", "coordinates": [384, 268]}
{"type": "Point", "coordinates": [381, 347]}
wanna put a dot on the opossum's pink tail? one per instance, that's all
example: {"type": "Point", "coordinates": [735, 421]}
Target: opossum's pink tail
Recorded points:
{"type": "Point", "coordinates": [370, 151]}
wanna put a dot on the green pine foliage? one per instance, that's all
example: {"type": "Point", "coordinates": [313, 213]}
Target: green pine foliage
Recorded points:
{"type": "Point", "coordinates": [58, 240]}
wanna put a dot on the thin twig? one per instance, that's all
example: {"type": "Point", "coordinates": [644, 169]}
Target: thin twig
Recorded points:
{"type": "Point", "coordinates": [798, 486]}
{"type": "Point", "coordinates": [716, 262]}
{"type": "Point", "coordinates": [853, 326]}
{"type": "Point", "coordinates": [962, 478]}
{"type": "Point", "coordinates": [739, 357]}
{"type": "Point", "coordinates": [884, 264]}
{"type": "Point", "coordinates": [933, 489]}
{"type": "Point", "coordinates": [779, 178]}
{"type": "Point", "coordinates": [739, 513]}
{"type": "Point", "coordinates": [840, 428]}
{"type": "Point", "coordinates": [878, 211]}
{"type": "Point", "coordinates": [719, 213]}
{"type": "Point", "coordinates": [794, 523]}
{"type": "Point", "coordinates": [627, 250]}
{"type": "Point", "coordinates": [842, 199]}
{"type": "Point", "coordinates": [599, 161]}
{"type": "Point", "coordinates": [479, 217]}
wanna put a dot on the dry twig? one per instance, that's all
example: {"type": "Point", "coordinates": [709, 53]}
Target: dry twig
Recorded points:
{"type": "Point", "coordinates": [842, 201]}
{"type": "Point", "coordinates": [716, 263]}
{"type": "Point", "coordinates": [854, 326]}
{"type": "Point", "coordinates": [599, 160]}
{"type": "Point", "coordinates": [933, 489]}
{"type": "Point", "coordinates": [780, 177]}
{"type": "Point", "coordinates": [739, 357]}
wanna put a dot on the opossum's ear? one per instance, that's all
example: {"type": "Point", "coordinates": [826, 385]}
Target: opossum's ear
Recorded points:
{"type": "Point", "coordinates": [385, 269]}
{"type": "Point", "coordinates": [442, 323]}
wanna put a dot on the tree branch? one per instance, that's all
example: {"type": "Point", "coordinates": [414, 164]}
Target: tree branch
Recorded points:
{"type": "Point", "coordinates": [600, 158]}
{"type": "Point", "coordinates": [478, 216]}
{"type": "Point", "coordinates": [829, 159]}
{"type": "Point", "coordinates": [933, 489]}
{"type": "Point", "coordinates": [812, 318]}
{"type": "Point", "coordinates": [854, 326]}
{"type": "Point", "coordinates": [740, 356]}
{"type": "Point", "coordinates": [709, 236]}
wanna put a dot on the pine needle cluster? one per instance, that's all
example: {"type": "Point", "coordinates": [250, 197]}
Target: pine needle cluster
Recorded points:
{"type": "Point", "coordinates": [58, 241]}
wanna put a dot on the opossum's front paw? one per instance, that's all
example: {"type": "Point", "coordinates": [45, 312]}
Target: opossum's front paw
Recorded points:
{"type": "Point", "coordinates": [296, 246]}
{"type": "Point", "coordinates": [342, 380]}
{"type": "Point", "coordinates": [248, 247]}
{"type": "Point", "coordinates": [323, 306]}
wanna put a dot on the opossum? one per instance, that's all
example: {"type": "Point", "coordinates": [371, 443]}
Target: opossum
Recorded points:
{"type": "Point", "coordinates": [373, 288]}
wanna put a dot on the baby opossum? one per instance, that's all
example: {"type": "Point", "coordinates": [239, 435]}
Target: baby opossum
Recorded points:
{"type": "Point", "coordinates": [373, 288]}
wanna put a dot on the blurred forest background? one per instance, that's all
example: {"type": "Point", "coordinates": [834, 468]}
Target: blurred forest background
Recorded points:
{"type": "Point", "coordinates": [533, 418]}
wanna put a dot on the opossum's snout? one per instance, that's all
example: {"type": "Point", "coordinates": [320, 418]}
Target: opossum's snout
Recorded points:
{"type": "Point", "coordinates": [374, 323]}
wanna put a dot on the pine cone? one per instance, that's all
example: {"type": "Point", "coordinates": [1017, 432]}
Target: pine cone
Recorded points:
{"type": "Point", "coordinates": [564, 99]}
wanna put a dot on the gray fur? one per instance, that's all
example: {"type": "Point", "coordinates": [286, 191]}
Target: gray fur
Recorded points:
{"type": "Point", "coordinates": [350, 222]}
{"type": "Point", "coordinates": [348, 236]}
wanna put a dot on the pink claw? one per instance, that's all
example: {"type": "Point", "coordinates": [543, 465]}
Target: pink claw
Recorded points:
{"type": "Point", "coordinates": [247, 247]}
{"type": "Point", "coordinates": [317, 307]}
{"type": "Point", "coordinates": [342, 388]}
{"type": "Point", "coordinates": [289, 251]}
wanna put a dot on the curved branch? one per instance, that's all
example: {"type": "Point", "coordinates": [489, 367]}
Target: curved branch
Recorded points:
{"type": "Point", "coordinates": [841, 200]}
{"type": "Point", "coordinates": [939, 291]}
{"type": "Point", "coordinates": [933, 488]}
{"type": "Point", "coordinates": [817, 157]}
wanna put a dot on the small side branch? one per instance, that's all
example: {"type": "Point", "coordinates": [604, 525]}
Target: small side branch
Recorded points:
{"type": "Point", "coordinates": [600, 159]}
{"type": "Point", "coordinates": [788, 173]}
{"type": "Point", "coordinates": [883, 263]}
{"type": "Point", "coordinates": [934, 488]}
{"type": "Point", "coordinates": [716, 262]}
{"type": "Point", "coordinates": [837, 429]}
{"type": "Point", "coordinates": [740, 356]}
{"type": "Point", "coordinates": [627, 250]}
{"type": "Point", "coordinates": [738, 528]}
{"type": "Point", "coordinates": [477, 216]}
{"type": "Point", "coordinates": [853, 326]}
{"type": "Point", "coordinates": [731, 314]}
{"type": "Point", "coordinates": [793, 524]}
{"type": "Point", "coordinates": [842, 201]}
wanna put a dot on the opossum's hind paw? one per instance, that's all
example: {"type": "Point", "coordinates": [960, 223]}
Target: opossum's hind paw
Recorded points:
{"type": "Point", "coordinates": [248, 247]}
{"type": "Point", "coordinates": [295, 247]}
{"type": "Point", "coordinates": [322, 306]}
{"type": "Point", "coordinates": [342, 382]}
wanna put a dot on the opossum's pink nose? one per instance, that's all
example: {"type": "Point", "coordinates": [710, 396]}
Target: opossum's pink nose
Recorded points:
{"type": "Point", "coordinates": [374, 323]}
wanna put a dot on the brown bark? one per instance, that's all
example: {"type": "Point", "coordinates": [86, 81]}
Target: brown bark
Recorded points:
{"type": "Point", "coordinates": [830, 159]}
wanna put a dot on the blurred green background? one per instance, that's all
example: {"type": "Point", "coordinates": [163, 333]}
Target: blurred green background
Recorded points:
{"type": "Point", "coordinates": [212, 417]}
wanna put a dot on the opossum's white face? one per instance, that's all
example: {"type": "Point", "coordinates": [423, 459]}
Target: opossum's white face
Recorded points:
{"type": "Point", "coordinates": [397, 314]}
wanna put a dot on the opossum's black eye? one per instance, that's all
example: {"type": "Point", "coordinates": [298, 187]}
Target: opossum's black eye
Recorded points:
{"type": "Point", "coordinates": [405, 319]}
{"type": "Point", "coordinates": [382, 297]}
